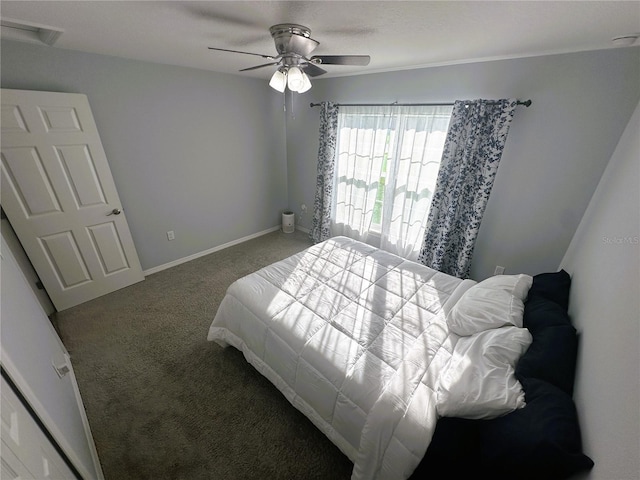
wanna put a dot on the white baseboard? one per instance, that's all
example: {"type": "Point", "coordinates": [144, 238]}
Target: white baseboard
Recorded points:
{"type": "Point", "coordinates": [302, 229]}
{"type": "Point", "coordinates": [180, 261]}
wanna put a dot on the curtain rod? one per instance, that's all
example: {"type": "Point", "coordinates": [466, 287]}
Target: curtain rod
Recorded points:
{"type": "Point", "coordinates": [526, 103]}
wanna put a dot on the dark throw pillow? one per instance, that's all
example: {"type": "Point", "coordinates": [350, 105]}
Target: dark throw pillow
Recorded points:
{"type": "Point", "coordinates": [553, 286]}
{"type": "Point", "coordinates": [552, 354]}
{"type": "Point", "coordinates": [540, 441]}
{"type": "Point", "coordinates": [454, 448]}
{"type": "Point", "coordinates": [539, 312]}
{"type": "Point", "coordinates": [551, 357]}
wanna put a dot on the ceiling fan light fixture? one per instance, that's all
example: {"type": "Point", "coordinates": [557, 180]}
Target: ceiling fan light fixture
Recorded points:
{"type": "Point", "coordinates": [278, 81]}
{"type": "Point", "coordinates": [306, 83]}
{"type": "Point", "coordinates": [295, 80]}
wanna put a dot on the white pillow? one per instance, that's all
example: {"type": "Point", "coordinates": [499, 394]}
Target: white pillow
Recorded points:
{"type": "Point", "coordinates": [493, 303]}
{"type": "Point", "coordinates": [479, 379]}
{"type": "Point", "coordinates": [517, 285]}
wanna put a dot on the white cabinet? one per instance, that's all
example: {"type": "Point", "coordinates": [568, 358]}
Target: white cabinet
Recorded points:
{"type": "Point", "coordinates": [34, 359]}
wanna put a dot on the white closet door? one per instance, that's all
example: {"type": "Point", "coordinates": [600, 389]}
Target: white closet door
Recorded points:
{"type": "Point", "coordinates": [26, 451]}
{"type": "Point", "coordinates": [60, 197]}
{"type": "Point", "coordinates": [34, 358]}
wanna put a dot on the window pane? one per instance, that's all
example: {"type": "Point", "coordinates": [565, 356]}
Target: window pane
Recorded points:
{"type": "Point", "coordinates": [387, 166]}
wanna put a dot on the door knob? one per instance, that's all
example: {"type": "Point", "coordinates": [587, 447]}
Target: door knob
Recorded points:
{"type": "Point", "coordinates": [115, 211]}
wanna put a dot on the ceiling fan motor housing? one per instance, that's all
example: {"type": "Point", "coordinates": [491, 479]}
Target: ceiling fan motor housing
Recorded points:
{"type": "Point", "coordinates": [293, 40]}
{"type": "Point", "coordinates": [290, 28]}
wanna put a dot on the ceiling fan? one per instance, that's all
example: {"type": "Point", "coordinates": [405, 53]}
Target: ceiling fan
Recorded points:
{"type": "Point", "coordinates": [294, 45]}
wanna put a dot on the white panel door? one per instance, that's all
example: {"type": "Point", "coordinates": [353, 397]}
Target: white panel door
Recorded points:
{"type": "Point", "coordinates": [26, 451]}
{"type": "Point", "coordinates": [59, 195]}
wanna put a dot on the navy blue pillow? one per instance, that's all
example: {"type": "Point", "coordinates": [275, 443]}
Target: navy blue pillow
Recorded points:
{"type": "Point", "coordinates": [454, 448]}
{"type": "Point", "coordinates": [552, 354]}
{"type": "Point", "coordinates": [551, 357]}
{"type": "Point", "coordinates": [553, 286]}
{"type": "Point", "coordinates": [540, 312]}
{"type": "Point", "coordinates": [539, 441]}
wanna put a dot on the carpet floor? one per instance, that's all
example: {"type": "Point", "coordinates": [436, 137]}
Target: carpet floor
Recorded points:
{"type": "Point", "coordinates": [164, 403]}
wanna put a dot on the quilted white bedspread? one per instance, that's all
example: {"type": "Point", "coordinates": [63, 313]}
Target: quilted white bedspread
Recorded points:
{"type": "Point", "coordinates": [354, 337]}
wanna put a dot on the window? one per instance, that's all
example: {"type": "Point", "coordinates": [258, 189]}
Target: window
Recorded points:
{"type": "Point", "coordinates": [386, 170]}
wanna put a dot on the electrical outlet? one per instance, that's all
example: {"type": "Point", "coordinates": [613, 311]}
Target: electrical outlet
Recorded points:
{"type": "Point", "coordinates": [499, 270]}
{"type": "Point", "coordinates": [171, 235]}
{"type": "Point", "coordinates": [303, 208]}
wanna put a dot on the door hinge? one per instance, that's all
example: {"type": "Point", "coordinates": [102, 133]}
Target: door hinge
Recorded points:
{"type": "Point", "coordinates": [39, 285]}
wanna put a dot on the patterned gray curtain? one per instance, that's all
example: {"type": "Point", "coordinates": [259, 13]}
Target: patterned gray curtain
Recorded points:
{"type": "Point", "coordinates": [321, 223]}
{"type": "Point", "coordinates": [472, 151]}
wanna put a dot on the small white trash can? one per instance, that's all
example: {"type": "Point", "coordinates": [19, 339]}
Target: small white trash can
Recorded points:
{"type": "Point", "coordinates": [288, 222]}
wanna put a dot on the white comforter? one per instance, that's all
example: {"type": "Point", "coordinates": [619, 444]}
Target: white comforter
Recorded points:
{"type": "Point", "coordinates": [354, 337]}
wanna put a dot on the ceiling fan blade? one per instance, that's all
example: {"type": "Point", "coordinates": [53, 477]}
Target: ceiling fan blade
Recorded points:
{"type": "Point", "coordinates": [268, 57]}
{"type": "Point", "coordinates": [313, 70]}
{"type": "Point", "coordinates": [258, 66]}
{"type": "Point", "coordinates": [360, 60]}
{"type": "Point", "coordinates": [202, 11]}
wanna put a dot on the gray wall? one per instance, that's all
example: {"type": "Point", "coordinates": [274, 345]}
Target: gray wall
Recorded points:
{"type": "Point", "coordinates": [196, 152]}
{"type": "Point", "coordinates": [604, 262]}
{"type": "Point", "coordinates": [206, 155]}
{"type": "Point", "coordinates": [555, 154]}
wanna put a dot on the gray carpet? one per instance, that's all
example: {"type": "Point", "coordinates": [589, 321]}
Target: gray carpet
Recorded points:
{"type": "Point", "coordinates": [163, 403]}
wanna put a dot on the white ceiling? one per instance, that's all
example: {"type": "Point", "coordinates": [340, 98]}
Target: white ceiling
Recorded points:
{"type": "Point", "coordinates": [396, 34]}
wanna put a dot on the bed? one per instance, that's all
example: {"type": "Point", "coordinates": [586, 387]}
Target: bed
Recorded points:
{"type": "Point", "coordinates": [375, 349]}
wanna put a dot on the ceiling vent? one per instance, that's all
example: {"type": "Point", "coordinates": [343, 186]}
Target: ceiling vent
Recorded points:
{"type": "Point", "coordinates": [28, 32]}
